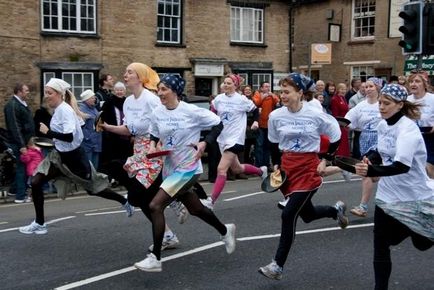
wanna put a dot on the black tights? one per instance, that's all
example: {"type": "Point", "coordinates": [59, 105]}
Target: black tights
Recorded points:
{"type": "Point", "coordinates": [390, 232]}
{"type": "Point", "coordinates": [299, 204]}
{"type": "Point", "coordinates": [194, 206]}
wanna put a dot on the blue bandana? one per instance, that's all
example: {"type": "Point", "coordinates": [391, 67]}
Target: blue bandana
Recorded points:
{"type": "Point", "coordinates": [377, 81]}
{"type": "Point", "coordinates": [174, 82]}
{"type": "Point", "coordinates": [303, 82]}
{"type": "Point", "coordinates": [395, 91]}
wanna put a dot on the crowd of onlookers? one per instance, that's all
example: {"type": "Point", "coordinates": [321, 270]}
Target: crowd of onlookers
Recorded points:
{"type": "Point", "coordinates": [107, 103]}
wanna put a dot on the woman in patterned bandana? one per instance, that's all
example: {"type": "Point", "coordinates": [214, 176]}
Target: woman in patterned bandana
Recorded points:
{"type": "Point", "coordinates": [404, 199]}
{"type": "Point", "coordinates": [177, 125]}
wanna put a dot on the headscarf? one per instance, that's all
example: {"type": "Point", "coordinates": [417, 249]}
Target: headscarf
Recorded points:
{"type": "Point", "coordinates": [175, 82]}
{"type": "Point", "coordinates": [303, 82]}
{"type": "Point", "coordinates": [58, 85]}
{"type": "Point", "coordinates": [377, 81]}
{"type": "Point", "coordinates": [147, 75]}
{"type": "Point", "coordinates": [395, 91]}
{"type": "Point", "coordinates": [236, 79]}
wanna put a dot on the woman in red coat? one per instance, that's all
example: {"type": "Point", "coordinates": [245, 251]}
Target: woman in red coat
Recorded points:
{"type": "Point", "coordinates": [339, 108]}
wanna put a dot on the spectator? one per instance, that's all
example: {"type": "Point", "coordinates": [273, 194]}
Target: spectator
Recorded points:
{"type": "Point", "coordinates": [104, 92]}
{"type": "Point", "coordinates": [31, 157]}
{"type": "Point", "coordinates": [115, 146]}
{"type": "Point", "coordinates": [339, 108]}
{"type": "Point", "coordinates": [393, 80]}
{"type": "Point", "coordinates": [250, 134]}
{"type": "Point", "coordinates": [321, 89]}
{"type": "Point", "coordinates": [19, 122]}
{"type": "Point", "coordinates": [266, 102]}
{"type": "Point", "coordinates": [358, 97]}
{"type": "Point", "coordinates": [214, 155]}
{"type": "Point", "coordinates": [42, 115]}
{"type": "Point", "coordinates": [92, 140]}
{"type": "Point", "coordinates": [402, 80]}
{"type": "Point", "coordinates": [355, 84]}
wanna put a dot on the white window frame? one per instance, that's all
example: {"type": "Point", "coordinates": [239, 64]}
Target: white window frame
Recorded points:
{"type": "Point", "coordinates": [369, 69]}
{"type": "Point", "coordinates": [173, 19]}
{"type": "Point", "coordinates": [258, 78]}
{"type": "Point", "coordinates": [358, 18]}
{"type": "Point", "coordinates": [76, 80]}
{"type": "Point", "coordinates": [47, 76]}
{"type": "Point", "coordinates": [247, 28]}
{"type": "Point", "coordinates": [58, 17]}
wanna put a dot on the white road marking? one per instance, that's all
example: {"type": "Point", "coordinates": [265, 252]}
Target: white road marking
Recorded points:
{"type": "Point", "coordinates": [48, 223]}
{"type": "Point", "coordinates": [244, 196]}
{"type": "Point", "coordinates": [196, 250]}
{"type": "Point", "coordinates": [107, 212]}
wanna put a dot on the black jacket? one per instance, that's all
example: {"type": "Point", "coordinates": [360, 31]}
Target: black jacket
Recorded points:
{"type": "Point", "coordinates": [19, 122]}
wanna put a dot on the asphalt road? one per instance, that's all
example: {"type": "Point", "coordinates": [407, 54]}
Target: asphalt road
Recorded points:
{"type": "Point", "coordinates": [91, 244]}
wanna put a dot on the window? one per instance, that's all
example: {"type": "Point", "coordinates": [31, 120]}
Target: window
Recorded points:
{"type": "Point", "coordinates": [70, 16]}
{"type": "Point", "coordinates": [80, 81]}
{"type": "Point", "coordinates": [258, 78]}
{"type": "Point", "coordinates": [169, 21]}
{"type": "Point", "coordinates": [48, 76]}
{"type": "Point", "coordinates": [362, 72]}
{"type": "Point", "coordinates": [247, 24]}
{"type": "Point", "coordinates": [363, 18]}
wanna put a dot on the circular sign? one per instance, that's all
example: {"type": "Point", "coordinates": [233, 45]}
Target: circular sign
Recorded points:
{"type": "Point", "coordinates": [321, 48]}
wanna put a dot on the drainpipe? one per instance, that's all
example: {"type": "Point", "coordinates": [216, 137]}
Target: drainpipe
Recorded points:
{"type": "Point", "coordinates": [290, 36]}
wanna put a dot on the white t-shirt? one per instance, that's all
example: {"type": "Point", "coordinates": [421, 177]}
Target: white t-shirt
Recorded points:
{"type": "Point", "coordinates": [137, 112]}
{"type": "Point", "coordinates": [427, 109]}
{"type": "Point", "coordinates": [403, 142]}
{"type": "Point", "coordinates": [177, 130]}
{"type": "Point", "coordinates": [300, 131]}
{"type": "Point", "coordinates": [65, 121]}
{"type": "Point", "coordinates": [232, 111]}
{"type": "Point", "coordinates": [315, 104]}
{"type": "Point", "coordinates": [364, 116]}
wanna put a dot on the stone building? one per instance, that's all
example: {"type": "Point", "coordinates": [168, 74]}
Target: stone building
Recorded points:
{"type": "Point", "coordinates": [363, 35]}
{"type": "Point", "coordinates": [199, 39]}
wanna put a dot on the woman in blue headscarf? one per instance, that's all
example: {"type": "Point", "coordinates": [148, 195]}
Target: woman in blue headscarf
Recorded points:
{"type": "Point", "coordinates": [176, 126]}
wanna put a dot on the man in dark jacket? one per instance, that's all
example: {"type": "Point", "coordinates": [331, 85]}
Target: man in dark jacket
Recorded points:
{"type": "Point", "coordinates": [19, 122]}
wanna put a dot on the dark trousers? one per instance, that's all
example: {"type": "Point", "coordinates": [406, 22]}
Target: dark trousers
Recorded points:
{"type": "Point", "coordinates": [356, 144]}
{"type": "Point", "coordinates": [262, 148]}
{"type": "Point", "coordinates": [214, 157]}
{"type": "Point", "coordinates": [299, 204]}
{"type": "Point", "coordinates": [19, 185]}
{"type": "Point", "coordinates": [390, 232]}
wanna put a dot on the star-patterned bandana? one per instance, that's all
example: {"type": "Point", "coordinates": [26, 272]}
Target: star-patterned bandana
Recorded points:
{"type": "Point", "coordinates": [174, 82]}
{"type": "Point", "coordinates": [395, 91]}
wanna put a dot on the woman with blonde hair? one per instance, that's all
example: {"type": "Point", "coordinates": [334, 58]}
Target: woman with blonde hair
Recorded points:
{"type": "Point", "coordinates": [419, 89]}
{"type": "Point", "coordinates": [68, 162]}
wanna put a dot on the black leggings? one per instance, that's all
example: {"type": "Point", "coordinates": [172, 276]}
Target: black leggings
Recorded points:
{"type": "Point", "coordinates": [77, 163]}
{"type": "Point", "coordinates": [194, 206]}
{"type": "Point", "coordinates": [390, 232]}
{"type": "Point", "coordinates": [299, 204]}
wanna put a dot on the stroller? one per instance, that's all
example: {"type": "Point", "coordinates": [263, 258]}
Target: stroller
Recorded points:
{"type": "Point", "coordinates": [7, 163]}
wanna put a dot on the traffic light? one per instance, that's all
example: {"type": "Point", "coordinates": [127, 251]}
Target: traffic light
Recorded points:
{"type": "Point", "coordinates": [428, 41]}
{"type": "Point", "coordinates": [412, 15]}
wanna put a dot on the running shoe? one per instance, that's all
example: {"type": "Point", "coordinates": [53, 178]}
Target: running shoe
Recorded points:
{"type": "Point", "coordinates": [272, 271]}
{"type": "Point", "coordinates": [180, 211]}
{"type": "Point", "coordinates": [207, 203]}
{"type": "Point", "coordinates": [129, 209]}
{"type": "Point", "coordinates": [24, 200]}
{"type": "Point", "coordinates": [168, 243]}
{"type": "Point", "coordinates": [264, 172]}
{"type": "Point", "coordinates": [229, 238]}
{"type": "Point", "coordinates": [281, 204]}
{"type": "Point", "coordinates": [34, 228]}
{"type": "Point", "coordinates": [359, 211]}
{"type": "Point", "coordinates": [341, 217]}
{"type": "Point", "coordinates": [346, 175]}
{"type": "Point", "coordinates": [149, 264]}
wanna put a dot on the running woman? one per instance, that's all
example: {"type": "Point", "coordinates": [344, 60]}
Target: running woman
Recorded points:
{"type": "Point", "coordinates": [404, 200]}
{"type": "Point", "coordinates": [177, 126]}
{"type": "Point", "coordinates": [232, 108]}
{"type": "Point", "coordinates": [68, 162]}
{"type": "Point", "coordinates": [365, 117]}
{"type": "Point", "coordinates": [296, 128]}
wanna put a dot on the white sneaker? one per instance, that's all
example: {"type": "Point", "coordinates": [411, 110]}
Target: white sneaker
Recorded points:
{"type": "Point", "coordinates": [180, 211]}
{"type": "Point", "coordinates": [129, 209]}
{"type": "Point", "coordinates": [150, 264]}
{"type": "Point", "coordinates": [264, 170]}
{"type": "Point", "coordinates": [346, 175]}
{"type": "Point", "coordinates": [34, 228]}
{"type": "Point", "coordinates": [272, 271]}
{"type": "Point", "coordinates": [207, 203]}
{"type": "Point", "coordinates": [229, 238]}
{"type": "Point", "coordinates": [25, 200]}
{"type": "Point", "coordinates": [168, 243]}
